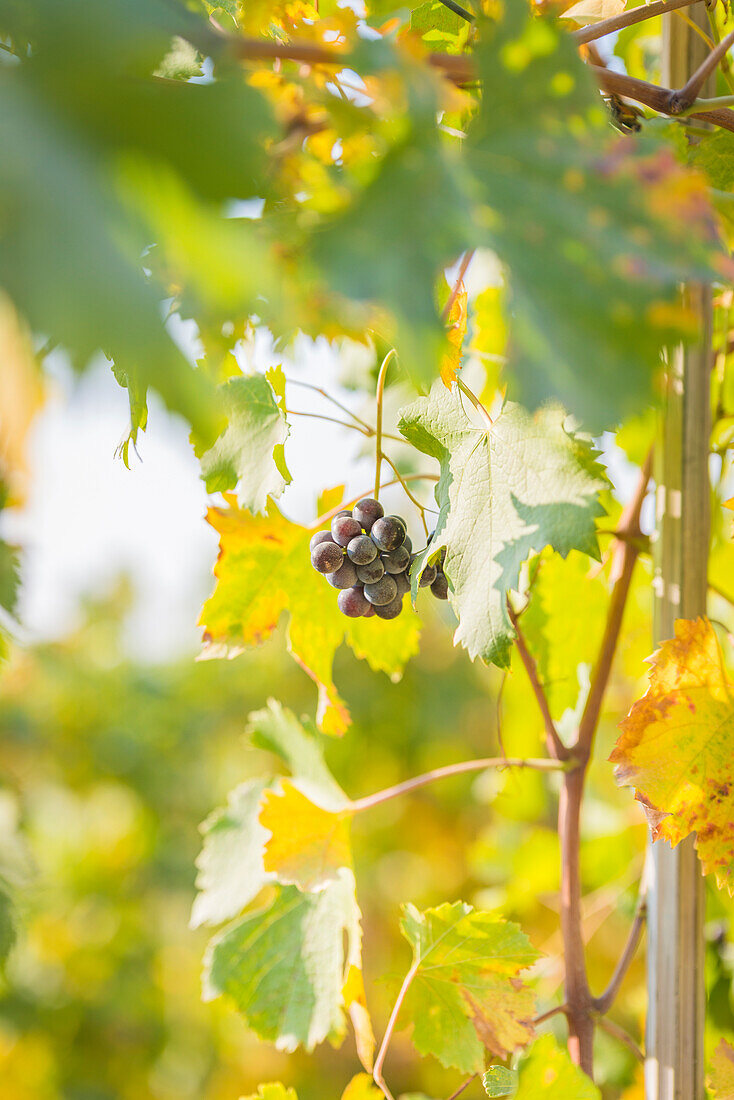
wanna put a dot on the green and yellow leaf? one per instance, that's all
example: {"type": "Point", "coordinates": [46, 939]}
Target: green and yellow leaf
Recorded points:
{"type": "Point", "coordinates": [308, 844]}
{"type": "Point", "coordinates": [549, 1072]}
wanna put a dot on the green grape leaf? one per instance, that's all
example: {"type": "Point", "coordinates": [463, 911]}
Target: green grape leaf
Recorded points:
{"type": "Point", "coordinates": [714, 155]}
{"type": "Point", "coordinates": [466, 996]}
{"type": "Point", "coordinates": [721, 1077]}
{"type": "Point", "coordinates": [243, 456]}
{"type": "Point", "coordinates": [285, 967]}
{"type": "Point", "coordinates": [231, 872]}
{"type": "Point", "coordinates": [675, 747]}
{"type": "Point", "coordinates": [569, 601]}
{"type": "Point", "coordinates": [9, 576]}
{"type": "Point", "coordinates": [549, 1072]}
{"type": "Point", "coordinates": [595, 235]}
{"type": "Point", "coordinates": [276, 729]}
{"type": "Point", "coordinates": [264, 568]}
{"type": "Point", "coordinates": [499, 1081]}
{"type": "Point", "coordinates": [504, 492]}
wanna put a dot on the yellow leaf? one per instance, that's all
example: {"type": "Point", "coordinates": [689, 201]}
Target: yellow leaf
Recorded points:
{"type": "Point", "coordinates": [308, 843]}
{"type": "Point", "coordinates": [722, 1071]}
{"type": "Point", "coordinates": [729, 503]}
{"type": "Point", "coordinates": [361, 1087]}
{"type": "Point", "coordinates": [676, 747]}
{"type": "Point", "coordinates": [587, 12]}
{"type": "Point", "coordinates": [263, 569]}
{"type": "Point", "coordinates": [356, 1003]}
{"type": "Point", "coordinates": [451, 360]}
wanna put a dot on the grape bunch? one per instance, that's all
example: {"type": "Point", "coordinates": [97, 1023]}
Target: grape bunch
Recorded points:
{"type": "Point", "coordinates": [367, 556]}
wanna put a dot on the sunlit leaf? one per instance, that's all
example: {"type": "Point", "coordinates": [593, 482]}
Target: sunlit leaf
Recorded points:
{"type": "Point", "coordinates": [721, 1077]}
{"type": "Point", "coordinates": [549, 1072]}
{"type": "Point", "coordinates": [467, 996]}
{"type": "Point", "coordinates": [499, 1081]}
{"type": "Point", "coordinates": [243, 456]}
{"type": "Point", "coordinates": [457, 321]}
{"type": "Point", "coordinates": [308, 844]}
{"type": "Point", "coordinates": [274, 1091]}
{"type": "Point", "coordinates": [675, 748]}
{"type": "Point", "coordinates": [505, 491]}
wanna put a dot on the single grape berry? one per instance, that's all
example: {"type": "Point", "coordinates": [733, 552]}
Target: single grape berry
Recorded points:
{"type": "Point", "coordinates": [402, 580]}
{"type": "Point", "coordinates": [382, 591]}
{"type": "Point", "coordinates": [319, 537]}
{"type": "Point", "coordinates": [361, 550]}
{"type": "Point", "coordinates": [390, 610]}
{"type": "Point", "coordinates": [367, 511]}
{"type": "Point", "coordinates": [428, 577]}
{"type": "Point", "coordinates": [327, 557]}
{"type": "Point", "coordinates": [344, 577]}
{"type": "Point", "coordinates": [370, 573]}
{"type": "Point", "coordinates": [396, 561]}
{"type": "Point", "coordinates": [440, 587]}
{"type": "Point", "coordinates": [408, 544]}
{"type": "Point", "coordinates": [388, 533]}
{"type": "Point", "coordinates": [352, 602]}
{"type": "Point", "coordinates": [344, 512]}
{"type": "Point", "coordinates": [344, 529]}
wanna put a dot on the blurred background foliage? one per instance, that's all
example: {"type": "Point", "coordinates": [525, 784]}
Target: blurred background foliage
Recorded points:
{"type": "Point", "coordinates": [111, 765]}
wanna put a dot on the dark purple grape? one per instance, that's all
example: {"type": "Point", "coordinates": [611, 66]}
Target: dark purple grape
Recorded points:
{"type": "Point", "coordinates": [327, 557]}
{"type": "Point", "coordinates": [361, 550]}
{"type": "Point", "coordinates": [388, 533]}
{"type": "Point", "coordinates": [344, 512]}
{"type": "Point", "coordinates": [428, 577]}
{"type": "Point", "coordinates": [408, 544]}
{"type": "Point", "coordinates": [344, 529]}
{"type": "Point", "coordinates": [396, 561]}
{"type": "Point", "coordinates": [382, 591]}
{"type": "Point", "coordinates": [402, 580]}
{"type": "Point", "coordinates": [345, 576]}
{"type": "Point", "coordinates": [390, 610]}
{"type": "Point", "coordinates": [352, 602]}
{"type": "Point", "coordinates": [369, 612]}
{"type": "Point", "coordinates": [369, 574]}
{"type": "Point", "coordinates": [440, 587]}
{"type": "Point", "coordinates": [319, 537]}
{"type": "Point", "coordinates": [367, 511]}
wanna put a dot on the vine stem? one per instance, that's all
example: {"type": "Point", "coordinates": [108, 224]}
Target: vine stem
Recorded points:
{"type": "Point", "coordinates": [377, 1075]}
{"type": "Point", "coordinates": [378, 420]}
{"type": "Point", "coordinates": [627, 19]}
{"type": "Point", "coordinates": [540, 764]}
{"type": "Point", "coordinates": [580, 1013]}
{"type": "Point", "coordinates": [326, 516]}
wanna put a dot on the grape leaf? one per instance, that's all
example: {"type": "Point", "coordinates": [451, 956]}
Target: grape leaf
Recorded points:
{"type": "Point", "coordinates": [285, 968]}
{"type": "Point", "coordinates": [263, 569]}
{"type": "Point", "coordinates": [549, 1072]}
{"type": "Point", "coordinates": [504, 492]}
{"type": "Point", "coordinates": [714, 154]}
{"type": "Point", "coordinates": [361, 1087]}
{"type": "Point", "coordinates": [231, 872]}
{"type": "Point", "coordinates": [466, 996]}
{"type": "Point", "coordinates": [721, 1078]}
{"type": "Point", "coordinates": [499, 1081]}
{"type": "Point", "coordinates": [243, 456]}
{"type": "Point", "coordinates": [457, 321]}
{"type": "Point", "coordinates": [308, 843]}
{"type": "Point", "coordinates": [675, 748]}
{"type": "Point", "coordinates": [595, 235]}
{"type": "Point", "coordinates": [276, 729]}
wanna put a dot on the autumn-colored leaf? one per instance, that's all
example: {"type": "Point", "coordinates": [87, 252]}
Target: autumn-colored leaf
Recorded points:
{"type": "Point", "coordinates": [264, 569]}
{"type": "Point", "coordinates": [721, 1077]}
{"type": "Point", "coordinates": [457, 321]}
{"type": "Point", "coordinates": [466, 996]}
{"type": "Point", "coordinates": [308, 843]}
{"type": "Point", "coordinates": [676, 747]}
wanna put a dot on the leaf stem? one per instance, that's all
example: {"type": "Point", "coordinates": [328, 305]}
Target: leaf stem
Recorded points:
{"type": "Point", "coordinates": [549, 1014]}
{"type": "Point", "coordinates": [378, 430]}
{"type": "Point", "coordinates": [416, 502]}
{"type": "Point", "coordinates": [604, 1002]}
{"type": "Point", "coordinates": [448, 770]}
{"type": "Point", "coordinates": [329, 397]}
{"type": "Point", "coordinates": [627, 19]}
{"type": "Point", "coordinates": [556, 748]}
{"type": "Point", "coordinates": [475, 402]}
{"type": "Point", "coordinates": [382, 1052]}
{"type": "Point", "coordinates": [366, 430]}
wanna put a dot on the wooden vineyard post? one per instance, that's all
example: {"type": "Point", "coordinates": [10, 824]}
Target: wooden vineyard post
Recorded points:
{"type": "Point", "coordinates": [676, 1003]}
